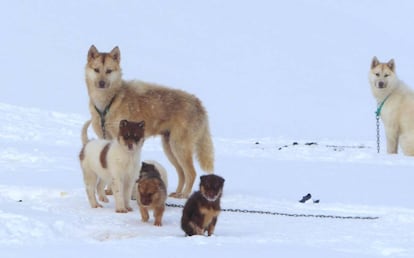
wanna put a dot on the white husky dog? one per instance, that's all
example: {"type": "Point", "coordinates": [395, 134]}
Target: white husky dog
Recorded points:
{"type": "Point", "coordinates": [115, 162]}
{"type": "Point", "coordinates": [395, 106]}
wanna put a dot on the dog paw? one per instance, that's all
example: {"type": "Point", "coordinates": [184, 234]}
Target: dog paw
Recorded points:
{"type": "Point", "coordinates": [144, 216]}
{"type": "Point", "coordinates": [196, 229]}
{"type": "Point", "coordinates": [178, 195]}
{"type": "Point", "coordinates": [173, 195]}
{"type": "Point", "coordinates": [158, 223]}
{"type": "Point", "coordinates": [129, 209]}
{"type": "Point", "coordinates": [97, 206]}
{"type": "Point", "coordinates": [121, 210]}
{"type": "Point", "coordinates": [104, 199]}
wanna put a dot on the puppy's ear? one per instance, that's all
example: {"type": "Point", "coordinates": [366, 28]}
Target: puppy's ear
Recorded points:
{"type": "Point", "coordinates": [143, 167]}
{"type": "Point", "coordinates": [203, 180]}
{"type": "Point", "coordinates": [221, 180]}
{"type": "Point", "coordinates": [123, 123]}
{"type": "Point", "coordinates": [92, 53]}
{"type": "Point", "coordinates": [391, 65]}
{"type": "Point", "coordinates": [116, 54]}
{"type": "Point", "coordinates": [141, 124]}
{"type": "Point", "coordinates": [375, 62]}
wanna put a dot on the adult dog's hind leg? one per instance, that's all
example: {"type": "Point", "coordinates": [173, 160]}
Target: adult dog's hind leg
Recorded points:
{"type": "Point", "coordinates": [171, 157]}
{"type": "Point", "coordinates": [184, 154]}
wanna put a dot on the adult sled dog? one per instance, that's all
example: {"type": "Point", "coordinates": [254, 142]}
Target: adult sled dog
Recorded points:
{"type": "Point", "coordinates": [177, 116]}
{"type": "Point", "coordinates": [395, 106]}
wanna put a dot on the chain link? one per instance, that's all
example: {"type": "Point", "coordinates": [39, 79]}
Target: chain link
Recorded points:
{"type": "Point", "coordinates": [296, 215]}
{"type": "Point", "coordinates": [378, 134]}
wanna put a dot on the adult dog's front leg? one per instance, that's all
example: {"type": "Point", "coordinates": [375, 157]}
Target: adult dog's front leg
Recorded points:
{"type": "Point", "coordinates": [392, 141]}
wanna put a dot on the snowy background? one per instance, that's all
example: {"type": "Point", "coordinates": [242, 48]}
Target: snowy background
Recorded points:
{"type": "Point", "coordinates": [270, 73]}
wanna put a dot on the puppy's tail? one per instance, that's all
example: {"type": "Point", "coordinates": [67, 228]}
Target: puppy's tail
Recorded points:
{"type": "Point", "coordinates": [84, 134]}
{"type": "Point", "coordinates": [205, 150]}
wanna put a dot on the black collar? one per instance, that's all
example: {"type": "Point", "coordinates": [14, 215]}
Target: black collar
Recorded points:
{"type": "Point", "coordinates": [102, 115]}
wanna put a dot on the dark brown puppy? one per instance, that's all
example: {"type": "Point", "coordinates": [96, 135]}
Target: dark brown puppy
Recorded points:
{"type": "Point", "coordinates": [152, 193]}
{"type": "Point", "coordinates": [203, 207]}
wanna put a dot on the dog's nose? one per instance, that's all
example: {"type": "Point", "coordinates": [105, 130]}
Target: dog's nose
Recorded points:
{"type": "Point", "coordinates": [101, 84]}
{"type": "Point", "coordinates": [381, 84]}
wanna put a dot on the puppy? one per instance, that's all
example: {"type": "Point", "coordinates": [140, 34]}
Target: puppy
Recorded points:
{"type": "Point", "coordinates": [114, 162]}
{"type": "Point", "coordinates": [152, 191]}
{"type": "Point", "coordinates": [203, 207]}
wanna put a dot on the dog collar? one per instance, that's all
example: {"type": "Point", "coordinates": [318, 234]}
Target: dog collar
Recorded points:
{"type": "Point", "coordinates": [102, 115]}
{"type": "Point", "coordinates": [379, 109]}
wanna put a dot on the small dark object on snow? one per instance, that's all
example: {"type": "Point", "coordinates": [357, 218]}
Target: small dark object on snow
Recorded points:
{"type": "Point", "coordinates": [257, 143]}
{"type": "Point", "coordinates": [306, 198]}
{"type": "Point", "coordinates": [20, 201]}
{"type": "Point", "coordinates": [295, 143]}
{"type": "Point", "coordinates": [285, 146]}
{"type": "Point", "coordinates": [316, 201]}
{"type": "Point", "coordinates": [311, 143]}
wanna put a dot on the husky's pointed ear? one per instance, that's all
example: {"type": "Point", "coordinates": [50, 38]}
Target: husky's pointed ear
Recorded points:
{"type": "Point", "coordinates": [92, 53]}
{"type": "Point", "coordinates": [116, 54]}
{"type": "Point", "coordinates": [374, 62]}
{"type": "Point", "coordinates": [391, 65]}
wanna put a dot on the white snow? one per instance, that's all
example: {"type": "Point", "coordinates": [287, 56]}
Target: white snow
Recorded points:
{"type": "Point", "coordinates": [270, 73]}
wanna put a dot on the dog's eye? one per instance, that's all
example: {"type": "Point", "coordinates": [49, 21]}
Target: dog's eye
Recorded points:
{"type": "Point", "coordinates": [108, 71]}
{"type": "Point", "coordinates": [386, 75]}
{"type": "Point", "coordinates": [377, 74]}
{"type": "Point", "coordinates": [96, 70]}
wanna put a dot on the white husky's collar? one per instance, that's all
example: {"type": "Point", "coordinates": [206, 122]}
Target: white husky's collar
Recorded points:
{"type": "Point", "coordinates": [380, 105]}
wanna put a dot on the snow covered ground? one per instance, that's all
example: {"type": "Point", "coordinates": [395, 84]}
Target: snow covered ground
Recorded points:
{"type": "Point", "coordinates": [44, 207]}
{"type": "Point", "coordinates": [285, 84]}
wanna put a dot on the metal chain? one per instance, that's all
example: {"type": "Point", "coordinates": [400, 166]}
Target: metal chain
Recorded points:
{"type": "Point", "coordinates": [333, 146]}
{"type": "Point", "coordinates": [286, 214]}
{"type": "Point", "coordinates": [378, 134]}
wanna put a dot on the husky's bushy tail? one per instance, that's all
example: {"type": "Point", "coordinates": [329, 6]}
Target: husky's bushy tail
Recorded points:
{"type": "Point", "coordinates": [205, 150]}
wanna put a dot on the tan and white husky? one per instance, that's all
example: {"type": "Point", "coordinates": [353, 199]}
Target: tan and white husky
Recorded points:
{"type": "Point", "coordinates": [114, 162]}
{"type": "Point", "coordinates": [395, 106]}
{"type": "Point", "coordinates": [178, 117]}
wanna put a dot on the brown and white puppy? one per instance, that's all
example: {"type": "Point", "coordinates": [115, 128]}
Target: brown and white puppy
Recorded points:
{"type": "Point", "coordinates": [177, 116]}
{"type": "Point", "coordinates": [114, 162]}
{"type": "Point", "coordinates": [152, 191]}
{"type": "Point", "coordinates": [203, 207]}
